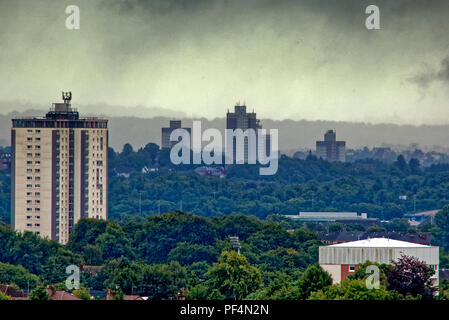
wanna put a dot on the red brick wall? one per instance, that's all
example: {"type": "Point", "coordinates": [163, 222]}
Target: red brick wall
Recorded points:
{"type": "Point", "coordinates": [345, 271]}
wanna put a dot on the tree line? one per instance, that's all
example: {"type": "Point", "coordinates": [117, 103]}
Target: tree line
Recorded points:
{"type": "Point", "coordinates": [175, 253]}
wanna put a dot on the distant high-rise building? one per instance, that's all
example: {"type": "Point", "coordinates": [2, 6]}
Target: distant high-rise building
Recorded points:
{"type": "Point", "coordinates": [240, 119]}
{"type": "Point", "coordinates": [166, 132]}
{"type": "Point", "coordinates": [59, 171]}
{"type": "Point", "coordinates": [330, 149]}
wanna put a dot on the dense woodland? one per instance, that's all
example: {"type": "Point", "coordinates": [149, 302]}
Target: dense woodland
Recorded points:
{"type": "Point", "coordinates": [369, 186]}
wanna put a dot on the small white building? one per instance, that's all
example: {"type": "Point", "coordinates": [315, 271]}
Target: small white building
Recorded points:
{"type": "Point", "coordinates": [342, 259]}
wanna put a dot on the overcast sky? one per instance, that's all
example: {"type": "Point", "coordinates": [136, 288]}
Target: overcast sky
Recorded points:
{"type": "Point", "coordinates": [287, 59]}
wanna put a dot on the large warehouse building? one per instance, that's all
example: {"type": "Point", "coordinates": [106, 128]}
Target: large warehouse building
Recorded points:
{"type": "Point", "coordinates": [340, 260]}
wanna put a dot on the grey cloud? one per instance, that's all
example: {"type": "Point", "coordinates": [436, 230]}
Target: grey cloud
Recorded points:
{"type": "Point", "coordinates": [427, 78]}
{"type": "Point", "coordinates": [313, 56]}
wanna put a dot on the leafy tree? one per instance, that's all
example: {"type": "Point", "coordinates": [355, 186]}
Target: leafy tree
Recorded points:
{"type": "Point", "coordinates": [442, 223]}
{"type": "Point", "coordinates": [236, 225]}
{"type": "Point", "coordinates": [409, 276]}
{"type": "Point", "coordinates": [335, 227]}
{"type": "Point", "coordinates": [353, 290]}
{"type": "Point", "coordinates": [199, 269]}
{"type": "Point", "coordinates": [375, 228]}
{"type": "Point", "coordinates": [414, 166]}
{"type": "Point", "coordinates": [122, 273]}
{"type": "Point", "coordinates": [283, 259]}
{"type": "Point", "coordinates": [281, 287]}
{"type": "Point", "coordinates": [314, 278]}
{"type": "Point", "coordinates": [18, 275]}
{"type": "Point", "coordinates": [55, 266]}
{"type": "Point", "coordinates": [114, 243]}
{"type": "Point", "coordinates": [82, 293]}
{"type": "Point", "coordinates": [233, 276]}
{"type": "Point", "coordinates": [85, 232]}
{"type": "Point", "coordinates": [119, 295]}
{"type": "Point", "coordinates": [93, 254]}
{"type": "Point", "coordinates": [398, 225]}
{"type": "Point", "coordinates": [443, 290]}
{"type": "Point", "coordinates": [361, 272]}
{"type": "Point", "coordinates": [161, 282]}
{"type": "Point", "coordinates": [186, 253]}
{"type": "Point", "coordinates": [40, 293]}
{"type": "Point", "coordinates": [401, 163]}
{"type": "Point", "coordinates": [198, 292]}
{"type": "Point", "coordinates": [160, 234]}
{"type": "Point", "coordinates": [4, 296]}
{"type": "Point", "coordinates": [271, 237]}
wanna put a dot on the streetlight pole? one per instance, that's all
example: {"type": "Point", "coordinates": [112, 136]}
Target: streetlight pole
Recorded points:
{"type": "Point", "coordinates": [236, 243]}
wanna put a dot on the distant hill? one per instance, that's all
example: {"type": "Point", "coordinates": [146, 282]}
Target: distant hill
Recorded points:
{"type": "Point", "coordinates": [293, 135]}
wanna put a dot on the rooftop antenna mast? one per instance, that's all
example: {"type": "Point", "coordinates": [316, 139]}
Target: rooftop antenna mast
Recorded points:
{"type": "Point", "coordinates": [67, 97]}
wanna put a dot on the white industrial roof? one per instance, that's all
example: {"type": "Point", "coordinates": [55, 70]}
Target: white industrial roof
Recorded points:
{"type": "Point", "coordinates": [380, 243]}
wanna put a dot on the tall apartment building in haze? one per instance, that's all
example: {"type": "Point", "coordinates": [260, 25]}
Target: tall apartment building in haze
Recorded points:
{"type": "Point", "coordinates": [241, 119]}
{"type": "Point", "coordinates": [58, 171]}
{"type": "Point", "coordinates": [330, 149]}
{"type": "Point", "coordinates": [166, 132]}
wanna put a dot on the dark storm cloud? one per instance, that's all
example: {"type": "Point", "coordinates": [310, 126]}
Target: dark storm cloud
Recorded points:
{"type": "Point", "coordinates": [427, 78]}
{"type": "Point", "coordinates": [314, 57]}
{"type": "Point", "coordinates": [163, 6]}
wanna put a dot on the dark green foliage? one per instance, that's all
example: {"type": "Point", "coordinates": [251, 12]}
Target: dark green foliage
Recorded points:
{"type": "Point", "coordinates": [313, 279]}
{"type": "Point", "coordinates": [157, 282]}
{"type": "Point", "coordinates": [237, 225]}
{"type": "Point", "coordinates": [284, 287]}
{"type": "Point", "coordinates": [5, 198]}
{"type": "Point", "coordinates": [233, 276]}
{"type": "Point", "coordinates": [40, 293]}
{"type": "Point", "coordinates": [186, 253]}
{"type": "Point", "coordinates": [311, 185]}
{"type": "Point", "coordinates": [442, 224]}
{"type": "Point", "coordinates": [48, 259]}
{"type": "Point", "coordinates": [18, 275]}
{"type": "Point", "coordinates": [85, 232]}
{"type": "Point", "coordinates": [160, 234]}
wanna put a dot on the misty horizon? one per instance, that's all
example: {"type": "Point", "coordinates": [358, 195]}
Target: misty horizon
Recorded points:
{"type": "Point", "coordinates": [293, 134]}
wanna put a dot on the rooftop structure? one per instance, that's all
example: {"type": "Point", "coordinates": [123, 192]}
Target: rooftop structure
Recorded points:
{"type": "Point", "coordinates": [328, 216]}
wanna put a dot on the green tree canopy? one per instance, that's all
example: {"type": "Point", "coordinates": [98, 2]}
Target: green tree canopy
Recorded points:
{"type": "Point", "coordinates": [233, 276]}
